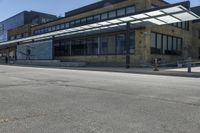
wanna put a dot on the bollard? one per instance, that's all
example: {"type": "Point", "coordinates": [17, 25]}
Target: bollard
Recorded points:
{"type": "Point", "coordinates": [156, 65]}
{"type": "Point", "coordinates": [189, 65]}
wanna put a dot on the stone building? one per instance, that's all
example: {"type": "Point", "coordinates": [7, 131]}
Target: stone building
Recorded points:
{"type": "Point", "coordinates": [170, 42]}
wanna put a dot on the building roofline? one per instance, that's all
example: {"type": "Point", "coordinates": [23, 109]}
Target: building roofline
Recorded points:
{"type": "Point", "coordinates": [13, 16]}
{"type": "Point", "coordinates": [86, 8]}
{"type": "Point", "coordinates": [43, 13]}
{"type": "Point", "coordinates": [96, 5]}
{"type": "Point", "coordinates": [90, 7]}
{"type": "Point", "coordinates": [27, 12]}
{"type": "Point", "coordinates": [184, 3]}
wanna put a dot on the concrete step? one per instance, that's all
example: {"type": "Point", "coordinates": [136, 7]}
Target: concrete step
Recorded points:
{"type": "Point", "coordinates": [52, 63]}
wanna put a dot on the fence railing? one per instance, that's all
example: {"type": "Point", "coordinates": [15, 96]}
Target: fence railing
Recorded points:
{"type": "Point", "coordinates": [189, 63]}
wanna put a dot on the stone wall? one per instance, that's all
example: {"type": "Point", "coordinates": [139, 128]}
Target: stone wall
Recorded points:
{"type": "Point", "coordinates": [196, 41]}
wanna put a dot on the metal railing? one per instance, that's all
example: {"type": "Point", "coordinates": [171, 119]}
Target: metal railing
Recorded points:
{"type": "Point", "coordinates": [189, 63]}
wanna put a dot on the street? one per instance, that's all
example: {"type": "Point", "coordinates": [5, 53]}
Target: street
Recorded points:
{"type": "Point", "coordinates": [50, 100]}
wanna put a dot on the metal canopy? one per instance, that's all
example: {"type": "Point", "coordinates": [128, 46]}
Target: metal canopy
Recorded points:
{"type": "Point", "coordinates": [158, 16]}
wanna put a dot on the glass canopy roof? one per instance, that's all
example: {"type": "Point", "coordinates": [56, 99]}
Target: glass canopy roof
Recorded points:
{"type": "Point", "coordinates": [166, 15]}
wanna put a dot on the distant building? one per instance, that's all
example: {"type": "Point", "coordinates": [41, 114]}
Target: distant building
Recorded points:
{"type": "Point", "coordinates": [20, 19]}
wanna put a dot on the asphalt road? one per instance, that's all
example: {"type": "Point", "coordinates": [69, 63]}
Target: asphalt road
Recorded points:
{"type": "Point", "coordinates": [41, 100]}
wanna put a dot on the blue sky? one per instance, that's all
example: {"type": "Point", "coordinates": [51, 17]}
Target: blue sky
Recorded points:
{"type": "Point", "coordinates": [9, 8]}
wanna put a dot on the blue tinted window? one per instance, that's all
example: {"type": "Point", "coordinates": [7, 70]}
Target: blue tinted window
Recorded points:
{"type": "Point", "coordinates": [97, 18]}
{"type": "Point", "coordinates": [83, 21]}
{"type": "Point", "coordinates": [104, 16]}
{"type": "Point", "coordinates": [89, 19]}
{"type": "Point", "coordinates": [112, 14]}
{"type": "Point", "coordinates": [57, 27]}
{"type": "Point", "coordinates": [62, 26]}
{"type": "Point", "coordinates": [72, 24]}
{"type": "Point", "coordinates": [49, 29]}
{"type": "Point", "coordinates": [130, 10]}
{"type": "Point", "coordinates": [77, 22]}
{"type": "Point", "coordinates": [53, 28]}
{"type": "Point", "coordinates": [67, 25]}
{"type": "Point", "coordinates": [121, 12]}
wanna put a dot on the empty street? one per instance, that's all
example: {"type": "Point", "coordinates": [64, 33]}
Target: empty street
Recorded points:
{"type": "Point", "coordinates": [47, 100]}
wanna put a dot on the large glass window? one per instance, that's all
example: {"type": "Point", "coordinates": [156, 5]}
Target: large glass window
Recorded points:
{"type": "Point", "coordinates": [121, 12]}
{"type": "Point", "coordinates": [112, 14]}
{"type": "Point", "coordinates": [77, 22]}
{"type": "Point", "coordinates": [132, 40]}
{"type": "Point", "coordinates": [83, 21]}
{"type": "Point", "coordinates": [180, 25]}
{"type": "Point", "coordinates": [156, 43]}
{"type": "Point", "coordinates": [104, 16]}
{"type": "Point", "coordinates": [169, 46]}
{"type": "Point", "coordinates": [159, 41]}
{"type": "Point", "coordinates": [56, 49]}
{"type": "Point", "coordinates": [153, 40]}
{"type": "Point", "coordinates": [164, 44]}
{"type": "Point", "coordinates": [187, 25]}
{"type": "Point", "coordinates": [90, 19]}
{"type": "Point", "coordinates": [62, 26]}
{"type": "Point", "coordinates": [174, 43]}
{"type": "Point", "coordinates": [104, 45]}
{"type": "Point", "coordinates": [112, 44]}
{"type": "Point", "coordinates": [53, 28]}
{"type": "Point", "coordinates": [92, 44]}
{"type": "Point", "coordinates": [107, 44]}
{"type": "Point", "coordinates": [72, 24]}
{"type": "Point", "coordinates": [97, 18]}
{"type": "Point", "coordinates": [130, 10]}
{"type": "Point", "coordinates": [12, 38]}
{"type": "Point", "coordinates": [18, 36]}
{"type": "Point", "coordinates": [68, 48]}
{"type": "Point", "coordinates": [58, 27]}
{"type": "Point", "coordinates": [62, 48]}
{"type": "Point", "coordinates": [184, 25]}
{"type": "Point", "coordinates": [49, 29]}
{"type": "Point", "coordinates": [77, 48]}
{"type": "Point", "coordinates": [67, 25]}
{"type": "Point", "coordinates": [120, 44]}
{"type": "Point", "coordinates": [25, 34]}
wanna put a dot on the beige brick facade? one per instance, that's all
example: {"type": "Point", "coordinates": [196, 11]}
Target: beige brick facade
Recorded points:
{"type": "Point", "coordinates": [196, 40]}
{"type": "Point", "coordinates": [142, 55]}
{"type": "Point", "coordinates": [25, 29]}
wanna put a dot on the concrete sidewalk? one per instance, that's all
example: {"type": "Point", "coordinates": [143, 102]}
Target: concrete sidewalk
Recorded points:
{"type": "Point", "coordinates": [181, 72]}
{"type": "Point", "coordinates": [165, 71]}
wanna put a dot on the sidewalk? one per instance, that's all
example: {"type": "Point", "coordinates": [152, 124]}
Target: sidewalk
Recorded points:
{"type": "Point", "coordinates": [181, 72]}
